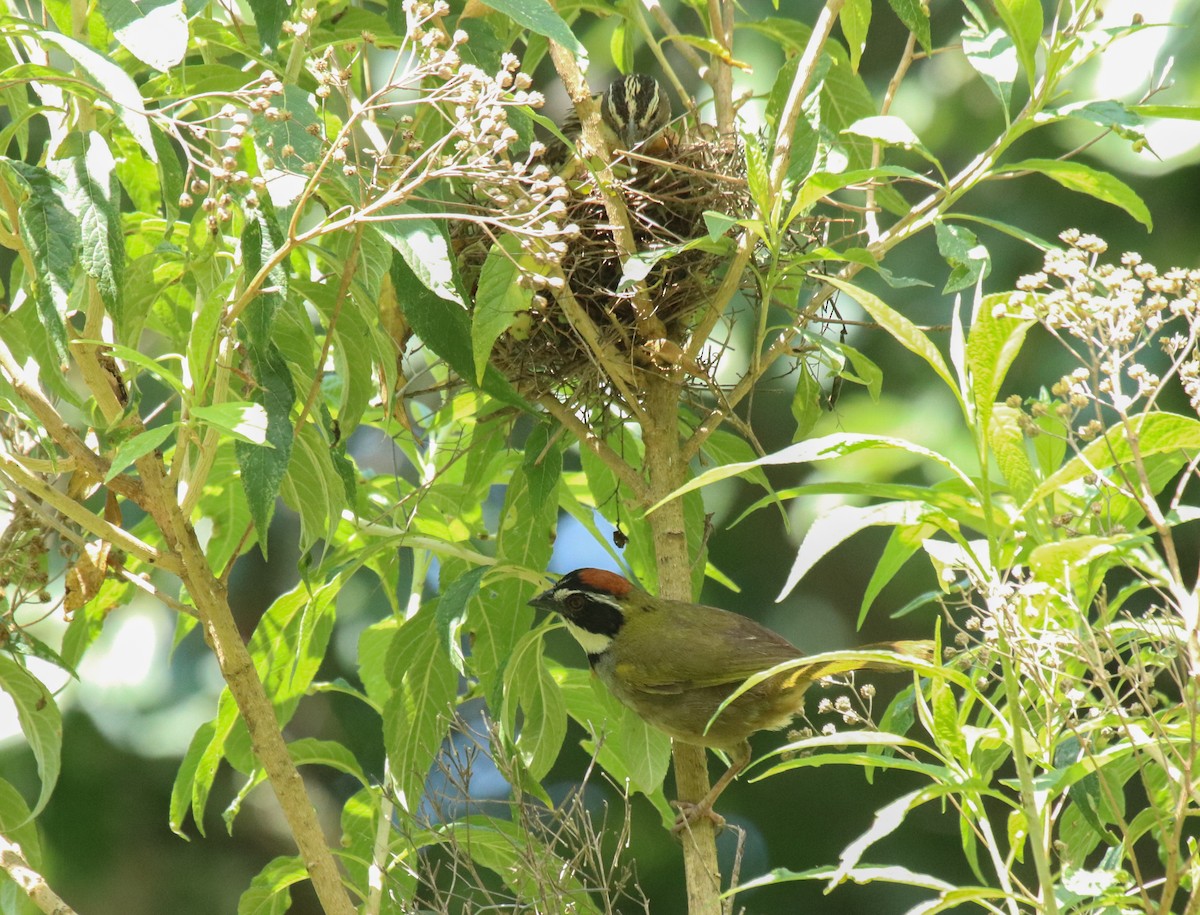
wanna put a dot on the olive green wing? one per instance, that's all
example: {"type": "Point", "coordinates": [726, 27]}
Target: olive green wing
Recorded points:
{"type": "Point", "coordinates": [696, 647]}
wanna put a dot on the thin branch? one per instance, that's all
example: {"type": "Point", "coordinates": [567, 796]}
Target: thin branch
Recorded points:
{"type": "Point", "coordinates": [19, 479]}
{"type": "Point", "coordinates": [649, 325]}
{"type": "Point", "coordinates": [588, 439]}
{"type": "Point", "coordinates": [805, 72]}
{"type": "Point", "coordinates": [63, 435]}
{"type": "Point", "coordinates": [34, 885]}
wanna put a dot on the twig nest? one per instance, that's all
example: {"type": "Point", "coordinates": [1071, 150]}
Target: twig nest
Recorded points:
{"type": "Point", "coordinates": [667, 197]}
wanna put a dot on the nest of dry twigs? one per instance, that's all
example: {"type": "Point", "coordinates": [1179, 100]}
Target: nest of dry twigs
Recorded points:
{"type": "Point", "coordinates": [666, 198]}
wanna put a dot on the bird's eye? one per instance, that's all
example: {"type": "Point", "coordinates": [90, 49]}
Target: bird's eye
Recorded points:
{"type": "Point", "coordinates": [574, 602]}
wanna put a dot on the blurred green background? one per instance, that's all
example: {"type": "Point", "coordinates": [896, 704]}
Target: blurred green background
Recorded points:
{"type": "Point", "coordinates": [130, 718]}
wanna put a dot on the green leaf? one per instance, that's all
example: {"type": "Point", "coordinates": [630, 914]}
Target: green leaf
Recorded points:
{"type": "Point", "coordinates": [51, 236]}
{"type": "Point", "coordinates": [806, 403]}
{"type": "Point", "coordinates": [542, 463]}
{"type": "Point", "coordinates": [969, 261]}
{"type": "Point", "coordinates": [903, 330]}
{"type": "Point", "coordinates": [110, 79]}
{"type": "Point", "coordinates": [247, 422]}
{"type": "Point", "coordinates": [1157, 433]}
{"type": "Point", "coordinates": [313, 487]}
{"type": "Point", "coordinates": [817, 449]}
{"type": "Point", "coordinates": [625, 745]}
{"type": "Point", "coordinates": [445, 328]}
{"type": "Point", "coordinates": [263, 468]}
{"type": "Point", "coordinates": [1023, 21]}
{"type": "Point", "coordinates": [139, 446]}
{"type": "Point", "coordinates": [855, 19]}
{"type": "Point", "coordinates": [1006, 438]}
{"type": "Point", "coordinates": [94, 199]}
{"type": "Point", "coordinates": [1167, 112]}
{"type": "Point", "coordinates": [527, 523]}
{"type": "Point", "coordinates": [261, 242]}
{"type": "Point", "coordinates": [268, 893]}
{"type": "Point", "coordinates": [544, 726]}
{"type": "Point", "coordinates": [1075, 176]}
{"type": "Point", "coordinates": [182, 790]}
{"type": "Point", "coordinates": [1107, 113]}
{"type": "Point", "coordinates": [540, 17]}
{"type": "Point", "coordinates": [821, 184]}
{"type": "Point", "coordinates": [17, 825]}
{"type": "Point", "coordinates": [887, 820]}
{"type": "Point", "coordinates": [153, 31]}
{"type": "Point", "coordinates": [915, 16]}
{"type": "Point", "coordinates": [994, 57]}
{"type": "Point", "coordinates": [890, 130]}
{"type": "Point", "coordinates": [838, 524]}
{"type": "Point", "coordinates": [418, 712]}
{"type": "Point", "coordinates": [309, 751]}
{"type": "Point", "coordinates": [269, 17]}
{"type": "Point", "coordinates": [902, 545]}
{"type": "Point", "coordinates": [452, 613]}
{"type": "Point", "coordinates": [500, 298]}
{"type": "Point", "coordinates": [41, 723]}
{"type": "Point", "coordinates": [425, 249]}
{"type": "Point", "coordinates": [289, 643]}
{"type": "Point", "coordinates": [993, 344]}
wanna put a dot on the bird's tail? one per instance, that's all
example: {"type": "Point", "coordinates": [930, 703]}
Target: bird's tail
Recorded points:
{"type": "Point", "coordinates": [840, 662]}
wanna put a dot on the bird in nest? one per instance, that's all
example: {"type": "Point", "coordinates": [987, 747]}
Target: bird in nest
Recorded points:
{"type": "Point", "coordinates": [634, 111]}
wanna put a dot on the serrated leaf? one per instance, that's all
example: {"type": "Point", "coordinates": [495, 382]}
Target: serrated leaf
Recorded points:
{"type": "Point", "coordinates": [425, 249]}
{"type": "Point", "coordinates": [806, 403]}
{"type": "Point", "coordinates": [625, 745]}
{"type": "Point", "coordinates": [313, 487]}
{"type": "Point", "coordinates": [288, 645]}
{"type": "Point", "coordinates": [153, 31]}
{"type": "Point", "coordinates": [418, 712]}
{"type": "Point", "coordinates": [445, 328]}
{"type": "Point", "coordinates": [185, 778]}
{"type": "Point", "coordinates": [544, 725]}
{"type": "Point", "coordinates": [309, 751]}
{"type": "Point", "coordinates": [993, 344]}
{"type": "Point", "coordinates": [94, 199]}
{"type": "Point", "coordinates": [269, 17]}
{"type": "Point", "coordinates": [41, 723]}
{"type": "Point", "coordinates": [261, 241]}
{"type": "Point", "coordinates": [500, 298]}
{"type": "Point", "coordinates": [1075, 176]}
{"type": "Point", "coordinates": [51, 236]}
{"type": "Point", "coordinates": [1157, 433]}
{"type": "Point", "coordinates": [263, 468]}
{"type": "Point", "coordinates": [1006, 438]}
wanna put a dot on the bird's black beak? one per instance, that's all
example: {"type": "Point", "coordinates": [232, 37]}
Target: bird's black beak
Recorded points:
{"type": "Point", "coordinates": [545, 601]}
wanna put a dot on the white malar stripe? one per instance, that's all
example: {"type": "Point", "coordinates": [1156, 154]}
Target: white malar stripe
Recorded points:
{"type": "Point", "coordinates": [592, 642]}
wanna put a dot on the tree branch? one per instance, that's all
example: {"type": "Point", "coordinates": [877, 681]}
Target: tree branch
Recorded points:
{"type": "Point", "coordinates": [34, 885]}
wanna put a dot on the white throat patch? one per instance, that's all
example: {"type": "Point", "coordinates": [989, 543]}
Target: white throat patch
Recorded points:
{"type": "Point", "coordinates": [592, 642]}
